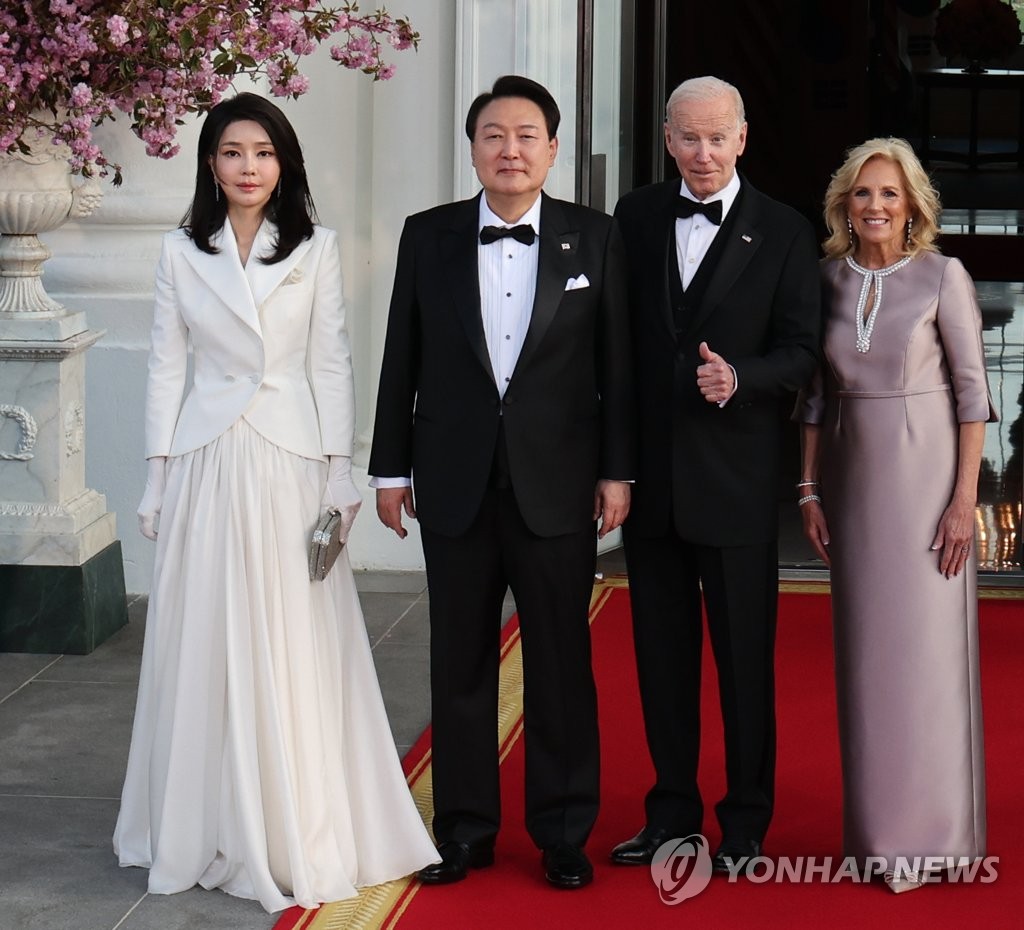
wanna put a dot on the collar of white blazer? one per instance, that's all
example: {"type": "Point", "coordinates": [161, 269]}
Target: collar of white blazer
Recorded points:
{"type": "Point", "coordinates": [244, 289]}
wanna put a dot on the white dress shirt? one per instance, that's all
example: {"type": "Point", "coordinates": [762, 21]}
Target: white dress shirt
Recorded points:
{"type": "Point", "coordinates": [508, 282]}
{"type": "Point", "coordinates": [694, 234]}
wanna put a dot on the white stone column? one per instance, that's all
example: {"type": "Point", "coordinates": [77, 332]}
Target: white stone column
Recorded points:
{"type": "Point", "coordinates": [60, 561]}
{"type": "Point", "coordinates": [47, 514]}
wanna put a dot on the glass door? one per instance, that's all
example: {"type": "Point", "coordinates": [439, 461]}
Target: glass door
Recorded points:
{"type": "Point", "coordinates": [604, 107]}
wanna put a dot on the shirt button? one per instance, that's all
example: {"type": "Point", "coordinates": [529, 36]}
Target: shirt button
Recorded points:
{"type": "Point", "coordinates": [229, 377]}
{"type": "Point", "coordinates": [508, 337]}
{"type": "Point", "coordinates": [507, 380]}
{"type": "Point", "coordinates": [691, 260]}
{"type": "Point", "coordinates": [508, 293]}
{"type": "Point", "coordinates": [509, 254]}
{"type": "Point", "coordinates": [255, 379]}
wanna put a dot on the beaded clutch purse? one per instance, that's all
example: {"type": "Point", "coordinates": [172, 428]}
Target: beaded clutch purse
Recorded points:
{"type": "Point", "coordinates": [326, 545]}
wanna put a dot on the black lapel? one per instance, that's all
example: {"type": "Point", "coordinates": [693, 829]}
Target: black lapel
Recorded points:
{"type": "Point", "coordinates": [555, 264]}
{"type": "Point", "coordinates": [744, 240]}
{"type": "Point", "coordinates": [457, 247]}
{"type": "Point", "coordinates": [663, 230]}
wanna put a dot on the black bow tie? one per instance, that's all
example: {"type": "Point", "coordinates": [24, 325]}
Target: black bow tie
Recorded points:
{"type": "Point", "coordinates": [523, 233]}
{"type": "Point", "coordinates": [712, 210]}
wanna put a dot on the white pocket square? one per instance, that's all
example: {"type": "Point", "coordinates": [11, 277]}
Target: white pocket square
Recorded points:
{"type": "Point", "coordinates": [574, 284]}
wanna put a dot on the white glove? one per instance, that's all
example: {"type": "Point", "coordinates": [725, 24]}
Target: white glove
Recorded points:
{"type": "Point", "coordinates": [153, 496]}
{"type": "Point", "coordinates": [341, 492]}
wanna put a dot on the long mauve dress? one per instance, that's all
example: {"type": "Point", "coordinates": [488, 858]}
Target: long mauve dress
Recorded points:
{"type": "Point", "coordinates": [906, 637]}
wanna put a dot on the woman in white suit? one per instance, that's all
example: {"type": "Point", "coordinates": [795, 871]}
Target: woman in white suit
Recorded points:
{"type": "Point", "coordinates": [261, 759]}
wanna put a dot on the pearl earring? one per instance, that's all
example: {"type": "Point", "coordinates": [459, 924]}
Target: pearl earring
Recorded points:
{"type": "Point", "coordinates": [216, 191]}
{"type": "Point", "coordinates": [910, 226]}
{"type": "Point", "coordinates": [849, 229]}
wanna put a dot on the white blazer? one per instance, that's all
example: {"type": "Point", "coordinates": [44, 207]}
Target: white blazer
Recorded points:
{"type": "Point", "coordinates": [268, 341]}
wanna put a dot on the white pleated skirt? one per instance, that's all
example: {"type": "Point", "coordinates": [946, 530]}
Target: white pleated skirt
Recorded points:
{"type": "Point", "coordinates": [261, 759]}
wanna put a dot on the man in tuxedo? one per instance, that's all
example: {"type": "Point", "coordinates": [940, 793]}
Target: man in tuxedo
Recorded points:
{"type": "Point", "coordinates": [506, 395]}
{"type": "Point", "coordinates": [724, 303]}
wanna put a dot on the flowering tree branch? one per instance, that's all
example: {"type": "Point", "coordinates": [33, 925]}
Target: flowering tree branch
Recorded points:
{"type": "Point", "coordinates": [66, 66]}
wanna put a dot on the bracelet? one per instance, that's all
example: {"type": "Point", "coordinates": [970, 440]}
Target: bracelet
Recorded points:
{"type": "Point", "coordinates": [807, 483]}
{"type": "Point", "coordinates": [807, 499]}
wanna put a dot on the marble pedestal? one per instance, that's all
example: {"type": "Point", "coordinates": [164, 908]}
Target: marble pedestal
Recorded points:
{"type": "Point", "coordinates": [61, 576]}
{"type": "Point", "coordinates": [68, 609]}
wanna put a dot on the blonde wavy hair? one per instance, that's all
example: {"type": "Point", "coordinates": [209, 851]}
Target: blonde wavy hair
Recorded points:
{"type": "Point", "coordinates": [923, 198]}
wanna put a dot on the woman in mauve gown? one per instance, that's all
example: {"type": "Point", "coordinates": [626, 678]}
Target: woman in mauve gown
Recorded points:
{"type": "Point", "coordinates": [892, 433]}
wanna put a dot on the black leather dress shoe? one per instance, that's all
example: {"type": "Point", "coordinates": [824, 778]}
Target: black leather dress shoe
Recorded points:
{"type": "Point", "coordinates": [733, 855]}
{"type": "Point", "coordinates": [456, 860]}
{"type": "Point", "coordinates": [567, 866]}
{"type": "Point", "coordinates": [641, 849]}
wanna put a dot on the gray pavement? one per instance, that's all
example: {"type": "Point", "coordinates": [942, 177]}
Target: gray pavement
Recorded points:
{"type": "Point", "coordinates": [65, 724]}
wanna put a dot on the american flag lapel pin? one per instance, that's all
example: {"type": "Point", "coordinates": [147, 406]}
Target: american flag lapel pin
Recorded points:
{"type": "Point", "coordinates": [566, 246]}
{"type": "Point", "coordinates": [745, 238]}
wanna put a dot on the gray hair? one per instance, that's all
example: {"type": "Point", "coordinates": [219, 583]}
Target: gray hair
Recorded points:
{"type": "Point", "coordinates": [706, 88]}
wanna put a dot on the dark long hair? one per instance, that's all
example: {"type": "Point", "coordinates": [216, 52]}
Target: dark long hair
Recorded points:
{"type": "Point", "coordinates": [291, 210]}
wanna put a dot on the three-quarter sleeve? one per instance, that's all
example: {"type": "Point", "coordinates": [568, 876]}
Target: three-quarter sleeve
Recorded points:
{"type": "Point", "coordinates": [810, 400]}
{"type": "Point", "coordinates": [959, 322]}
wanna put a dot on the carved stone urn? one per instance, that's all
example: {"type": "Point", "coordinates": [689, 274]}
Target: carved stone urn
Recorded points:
{"type": "Point", "coordinates": [60, 561]}
{"type": "Point", "coordinates": [37, 194]}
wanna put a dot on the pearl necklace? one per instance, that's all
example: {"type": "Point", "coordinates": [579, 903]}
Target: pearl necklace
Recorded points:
{"type": "Point", "coordinates": [871, 276]}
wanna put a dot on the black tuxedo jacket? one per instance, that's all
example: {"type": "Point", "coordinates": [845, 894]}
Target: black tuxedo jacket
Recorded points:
{"type": "Point", "coordinates": [761, 312]}
{"type": "Point", "coordinates": [567, 410]}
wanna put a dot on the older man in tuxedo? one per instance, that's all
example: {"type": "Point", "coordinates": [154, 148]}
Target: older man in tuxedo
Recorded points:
{"type": "Point", "coordinates": [506, 395]}
{"type": "Point", "coordinates": [724, 301]}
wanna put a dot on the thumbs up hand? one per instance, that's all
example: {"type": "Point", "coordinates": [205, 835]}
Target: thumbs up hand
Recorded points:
{"type": "Point", "coordinates": [715, 378]}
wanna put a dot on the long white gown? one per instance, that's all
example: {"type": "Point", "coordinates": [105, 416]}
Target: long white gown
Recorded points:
{"type": "Point", "coordinates": [261, 759]}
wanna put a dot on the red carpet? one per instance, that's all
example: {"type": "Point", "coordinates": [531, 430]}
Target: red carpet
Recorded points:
{"type": "Point", "coordinates": [513, 893]}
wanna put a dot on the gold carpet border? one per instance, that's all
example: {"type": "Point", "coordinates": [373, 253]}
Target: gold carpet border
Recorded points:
{"type": "Point", "coordinates": [373, 907]}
